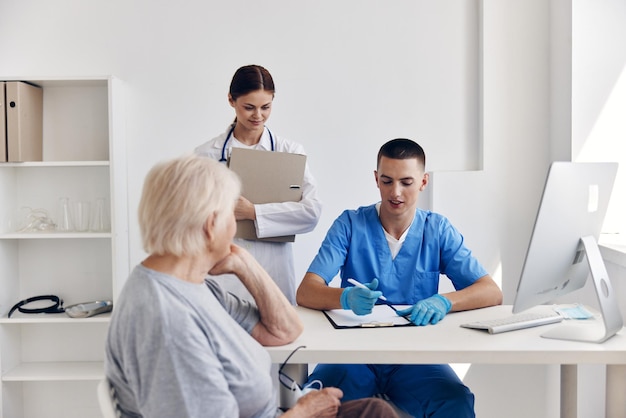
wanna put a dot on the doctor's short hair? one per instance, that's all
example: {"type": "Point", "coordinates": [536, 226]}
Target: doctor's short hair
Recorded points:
{"type": "Point", "coordinates": [402, 149]}
{"type": "Point", "coordinates": [178, 197]}
{"type": "Point", "coordinates": [250, 78]}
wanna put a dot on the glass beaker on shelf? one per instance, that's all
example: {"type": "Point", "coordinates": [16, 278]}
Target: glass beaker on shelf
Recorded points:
{"type": "Point", "coordinates": [64, 221]}
{"type": "Point", "coordinates": [82, 214]}
{"type": "Point", "coordinates": [99, 222]}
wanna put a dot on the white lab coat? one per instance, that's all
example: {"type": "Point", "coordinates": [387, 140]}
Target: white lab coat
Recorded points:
{"type": "Point", "coordinates": [272, 219]}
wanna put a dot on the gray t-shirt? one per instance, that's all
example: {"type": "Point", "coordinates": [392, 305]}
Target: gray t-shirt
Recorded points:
{"type": "Point", "coordinates": [178, 349]}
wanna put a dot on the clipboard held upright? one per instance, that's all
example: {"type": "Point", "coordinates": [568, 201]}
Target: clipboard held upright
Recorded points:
{"type": "Point", "coordinates": [267, 177]}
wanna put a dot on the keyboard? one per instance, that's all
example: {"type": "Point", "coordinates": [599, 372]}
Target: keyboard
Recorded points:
{"type": "Point", "coordinates": [515, 322]}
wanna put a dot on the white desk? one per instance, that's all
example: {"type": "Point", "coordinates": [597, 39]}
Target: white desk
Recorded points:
{"type": "Point", "coordinates": [447, 342]}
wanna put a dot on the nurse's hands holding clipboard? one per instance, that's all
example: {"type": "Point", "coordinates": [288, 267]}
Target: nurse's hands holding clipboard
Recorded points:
{"type": "Point", "coordinates": [244, 209]}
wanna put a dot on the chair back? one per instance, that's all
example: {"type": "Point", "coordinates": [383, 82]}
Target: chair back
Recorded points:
{"type": "Point", "coordinates": [107, 401]}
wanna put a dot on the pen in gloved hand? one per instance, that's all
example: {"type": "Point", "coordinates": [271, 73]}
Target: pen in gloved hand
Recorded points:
{"type": "Point", "coordinates": [381, 297]}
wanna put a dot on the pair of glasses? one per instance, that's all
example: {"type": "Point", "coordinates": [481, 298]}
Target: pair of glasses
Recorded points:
{"type": "Point", "coordinates": [284, 378]}
{"type": "Point", "coordinates": [291, 384]}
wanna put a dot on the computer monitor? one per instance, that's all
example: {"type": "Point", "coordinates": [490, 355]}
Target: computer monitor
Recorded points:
{"type": "Point", "coordinates": [565, 234]}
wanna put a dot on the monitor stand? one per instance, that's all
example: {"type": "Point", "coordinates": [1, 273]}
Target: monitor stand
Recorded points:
{"type": "Point", "coordinates": [611, 315]}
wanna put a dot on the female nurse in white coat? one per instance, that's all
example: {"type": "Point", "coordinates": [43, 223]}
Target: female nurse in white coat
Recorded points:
{"type": "Point", "coordinates": [251, 94]}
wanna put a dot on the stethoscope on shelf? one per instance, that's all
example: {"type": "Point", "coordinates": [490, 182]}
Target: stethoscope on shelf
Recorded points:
{"type": "Point", "coordinates": [79, 310]}
{"type": "Point", "coordinates": [55, 307]}
{"type": "Point", "coordinates": [230, 133]}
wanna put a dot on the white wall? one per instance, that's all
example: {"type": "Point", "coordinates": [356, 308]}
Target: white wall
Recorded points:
{"type": "Point", "coordinates": [599, 93]}
{"type": "Point", "coordinates": [349, 76]}
{"type": "Point", "coordinates": [480, 84]}
{"type": "Point", "coordinates": [516, 140]}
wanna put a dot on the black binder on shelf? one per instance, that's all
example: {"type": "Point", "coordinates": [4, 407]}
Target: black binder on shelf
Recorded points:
{"type": "Point", "coordinates": [3, 123]}
{"type": "Point", "coordinates": [21, 121]}
{"type": "Point", "coordinates": [267, 177]}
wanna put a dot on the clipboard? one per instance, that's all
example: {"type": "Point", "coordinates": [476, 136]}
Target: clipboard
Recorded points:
{"type": "Point", "coordinates": [382, 316]}
{"type": "Point", "coordinates": [267, 177]}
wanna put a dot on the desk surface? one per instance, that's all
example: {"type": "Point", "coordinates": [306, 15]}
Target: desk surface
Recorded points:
{"type": "Point", "coordinates": [445, 342]}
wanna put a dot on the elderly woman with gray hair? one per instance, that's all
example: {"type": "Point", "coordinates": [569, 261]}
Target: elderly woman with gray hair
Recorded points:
{"type": "Point", "coordinates": [180, 346]}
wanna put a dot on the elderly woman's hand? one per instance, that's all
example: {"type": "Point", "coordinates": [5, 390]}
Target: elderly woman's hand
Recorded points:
{"type": "Point", "coordinates": [318, 403]}
{"type": "Point", "coordinates": [233, 263]}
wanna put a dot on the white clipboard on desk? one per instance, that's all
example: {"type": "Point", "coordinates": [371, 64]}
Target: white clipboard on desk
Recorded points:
{"type": "Point", "coordinates": [267, 177]}
{"type": "Point", "coordinates": [382, 316]}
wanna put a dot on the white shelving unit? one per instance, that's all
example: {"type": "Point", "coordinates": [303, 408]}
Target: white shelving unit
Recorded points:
{"type": "Point", "coordinates": [50, 364]}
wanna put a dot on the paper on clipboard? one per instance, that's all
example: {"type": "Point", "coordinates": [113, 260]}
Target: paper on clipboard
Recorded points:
{"type": "Point", "coordinates": [381, 316]}
{"type": "Point", "coordinates": [267, 177]}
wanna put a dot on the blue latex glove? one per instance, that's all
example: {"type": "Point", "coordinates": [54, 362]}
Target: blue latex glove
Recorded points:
{"type": "Point", "coordinates": [427, 311]}
{"type": "Point", "coordinates": [360, 300]}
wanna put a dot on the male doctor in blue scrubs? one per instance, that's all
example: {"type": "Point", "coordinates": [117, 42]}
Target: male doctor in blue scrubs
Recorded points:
{"type": "Point", "coordinates": [398, 250]}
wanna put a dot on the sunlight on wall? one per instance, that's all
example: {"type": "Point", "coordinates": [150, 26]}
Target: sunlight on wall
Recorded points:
{"type": "Point", "coordinates": [461, 369]}
{"type": "Point", "coordinates": [607, 142]}
{"type": "Point", "coordinates": [497, 274]}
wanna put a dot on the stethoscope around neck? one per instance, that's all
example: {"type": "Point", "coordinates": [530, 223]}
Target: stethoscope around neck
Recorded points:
{"type": "Point", "coordinates": [230, 134]}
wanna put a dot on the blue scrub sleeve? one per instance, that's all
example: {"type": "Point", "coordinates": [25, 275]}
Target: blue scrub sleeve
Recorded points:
{"type": "Point", "coordinates": [334, 249]}
{"type": "Point", "coordinates": [457, 261]}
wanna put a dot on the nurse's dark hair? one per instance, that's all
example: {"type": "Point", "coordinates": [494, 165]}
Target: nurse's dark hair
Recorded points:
{"type": "Point", "coordinates": [250, 78]}
{"type": "Point", "coordinates": [402, 149]}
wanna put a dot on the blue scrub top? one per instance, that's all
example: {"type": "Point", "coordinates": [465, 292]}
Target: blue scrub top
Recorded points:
{"type": "Point", "coordinates": [355, 245]}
